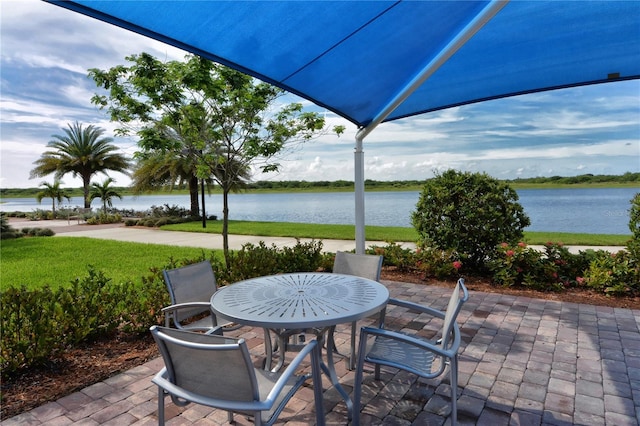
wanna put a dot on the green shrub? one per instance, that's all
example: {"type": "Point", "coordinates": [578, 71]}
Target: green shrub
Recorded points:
{"type": "Point", "coordinates": [469, 213]}
{"type": "Point", "coordinates": [6, 230]}
{"type": "Point", "coordinates": [633, 246]}
{"type": "Point", "coordinates": [567, 266]}
{"type": "Point", "coordinates": [613, 273]}
{"type": "Point", "coordinates": [40, 214]}
{"type": "Point", "coordinates": [440, 264]}
{"type": "Point", "coordinates": [519, 265]}
{"type": "Point", "coordinates": [102, 218]}
{"type": "Point", "coordinates": [46, 232]}
{"type": "Point", "coordinates": [10, 235]}
{"type": "Point", "coordinates": [38, 324]}
{"type": "Point", "coordinates": [30, 321]}
{"type": "Point", "coordinates": [395, 255]}
{"type": "Point", "coordinates": [258, 260]}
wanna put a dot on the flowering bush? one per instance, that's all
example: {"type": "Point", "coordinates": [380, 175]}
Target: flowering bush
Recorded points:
{"type": "Point", "coordinates": [568, 267]}
{"type": "Point", "coordinates": [619, 273]}
{"type": "Point", "coordinates": [519, 265]}
{"type": "Point", "coordinates": [613, 273]}
{"type": "Point", "coordinates": [440, 264]}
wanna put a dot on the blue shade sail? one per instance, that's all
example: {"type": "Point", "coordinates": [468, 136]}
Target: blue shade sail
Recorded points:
{"type": "Point", "coordinates": [355, 57]}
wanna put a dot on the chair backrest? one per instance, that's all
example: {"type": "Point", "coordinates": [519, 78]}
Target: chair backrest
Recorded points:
{"type": "Point", "coordinates": [361, 265]}
{"type": "Point", "coordinates": [191, 283]}
{"type": "Point", "coordinates": [458, 297]}
{"type": "Point", "coordinates": [208, 365]}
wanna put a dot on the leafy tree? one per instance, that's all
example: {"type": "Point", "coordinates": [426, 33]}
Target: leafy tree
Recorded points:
{"type": "Point", "coordinates": [53, 191]}
{"type": "Point", "coordinates": [82, 152]}
{"type": "Point", "coordinates": [202, 121]}
{"type": "Point", "coordinates": [4, 224]}
{"type": "Point", "coordinates": [105, 192]}
{"type": "Point", "coordinates": [471, 213]}
{"type": "Point", "coordinates": [633, 246]}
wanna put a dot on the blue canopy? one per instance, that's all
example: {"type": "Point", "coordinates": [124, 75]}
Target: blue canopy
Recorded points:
{"type": "Point", "coordinates": [376, 61]}
{"type": "Point", "coordinates": [355, 57]}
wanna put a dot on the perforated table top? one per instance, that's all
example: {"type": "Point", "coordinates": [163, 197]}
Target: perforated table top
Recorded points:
{"type": "Point", "coordinates": [297, 300]}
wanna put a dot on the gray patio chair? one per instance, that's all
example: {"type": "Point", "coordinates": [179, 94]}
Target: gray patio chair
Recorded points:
{"type": "Point", "coordinates": [361, 265]}
{"type": "Point", "coordinates": [190, 289]}
{"type": "Point", "coordinates": [411, 352]}
{"type": "Point", "coordinates": [218, 372]}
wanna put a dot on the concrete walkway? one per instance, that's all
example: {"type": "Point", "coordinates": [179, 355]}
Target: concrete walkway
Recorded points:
{"type": "Point", "coordinates": [120, 232]}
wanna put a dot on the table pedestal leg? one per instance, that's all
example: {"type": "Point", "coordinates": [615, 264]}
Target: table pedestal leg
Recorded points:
{"type": "Point", "coordinates": [268, 349]}
{"type": "Point", "coordinates": [330, 370]}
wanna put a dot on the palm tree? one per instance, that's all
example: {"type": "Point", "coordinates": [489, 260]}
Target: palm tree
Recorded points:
{"type": "Point", "coordinates": [53, 191]}
{"type": "Point", "coordinates": [82, 152]}
{"type": "Point", "coordinates": [105, 192]}
{"type": "Point", "coordinates": [166, 168]}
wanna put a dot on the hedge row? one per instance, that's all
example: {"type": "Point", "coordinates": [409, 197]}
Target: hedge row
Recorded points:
{"type": "Point", "coordinates": [37, 325]}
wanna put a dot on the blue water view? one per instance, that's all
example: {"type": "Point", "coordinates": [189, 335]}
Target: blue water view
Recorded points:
{"type": "Point", "coordinates": [588, 210]}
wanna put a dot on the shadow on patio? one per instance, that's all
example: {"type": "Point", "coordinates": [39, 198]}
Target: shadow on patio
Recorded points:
{"type": "Point", "coordinates": [523, 361]}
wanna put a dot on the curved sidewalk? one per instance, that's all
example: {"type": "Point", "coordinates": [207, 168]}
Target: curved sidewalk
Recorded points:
{"type": "Point", "coordinates": [119, 232]}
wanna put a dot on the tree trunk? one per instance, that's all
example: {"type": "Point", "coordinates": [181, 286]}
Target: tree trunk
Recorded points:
{"type": "Point", "coordinates": [86, 182]}
{"type": "Point", "coordinates": [193, 195]}
{"type": "Point", "coordinates": [225, 227]}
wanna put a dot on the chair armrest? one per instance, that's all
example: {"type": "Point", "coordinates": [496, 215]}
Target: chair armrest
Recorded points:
{"type": "Point", "coordinates": [408, 305]}
{"type": "Point", "coordinates": [311, 348]}
{"type": "Point", "coordinates": [417, 307]}
{"type": "Point", "coordinates": [161, 379]}
{"type": "Point", "coordinates": [173, 308]}
{"type": "Point", "coordinates": [186, 305]}
{"type": "Point", "coordinates": [414, 341]}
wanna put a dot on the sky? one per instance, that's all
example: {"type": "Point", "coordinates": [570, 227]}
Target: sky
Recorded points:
{"type": "Point", "coordinates": [46, 52]}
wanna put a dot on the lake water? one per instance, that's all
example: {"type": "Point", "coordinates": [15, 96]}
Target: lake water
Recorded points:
{"type": "Point", "coordinates": [591, 211]}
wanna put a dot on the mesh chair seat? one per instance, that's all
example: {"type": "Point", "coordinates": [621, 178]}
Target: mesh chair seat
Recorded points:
{"type": "Point", "coordinates": [412, 357]}
{"type": "Point", "coordinates": [190, 289]}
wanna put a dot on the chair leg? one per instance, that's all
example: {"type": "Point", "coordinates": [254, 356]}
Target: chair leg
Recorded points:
{"type": "Point", "coordinates": [316, 376]}
{"type": "Point", "coordinates": [160, 406]}
{"type": "Point", "coordinates": [454, 390]}
{"type": "Point", "coordinates": [357, 381]}
{"type": "Point", "coordinates": [376, 370]}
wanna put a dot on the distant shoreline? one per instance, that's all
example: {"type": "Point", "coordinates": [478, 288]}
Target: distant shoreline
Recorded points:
{"type": "Point", "coordinates": [280, 188]}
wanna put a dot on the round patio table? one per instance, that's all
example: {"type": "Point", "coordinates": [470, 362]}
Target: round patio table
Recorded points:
{"type": "Point", "coordinates": [306, 301]}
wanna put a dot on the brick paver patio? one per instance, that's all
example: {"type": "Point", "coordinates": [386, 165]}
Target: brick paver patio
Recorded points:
{"type": "Point", "coordinates": [523, 362]}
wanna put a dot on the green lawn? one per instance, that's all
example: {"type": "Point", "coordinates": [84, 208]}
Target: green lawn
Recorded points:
{"type": "Point", "coordinates": [35, 262]}
{"type": "Point", "coordinates": [375, 233]}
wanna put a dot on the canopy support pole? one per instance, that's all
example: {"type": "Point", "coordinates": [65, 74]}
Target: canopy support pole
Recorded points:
{"type": "Point", "coordinates": [440, 59]}
{"type": "Point", "coordinates": [359, 193]}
